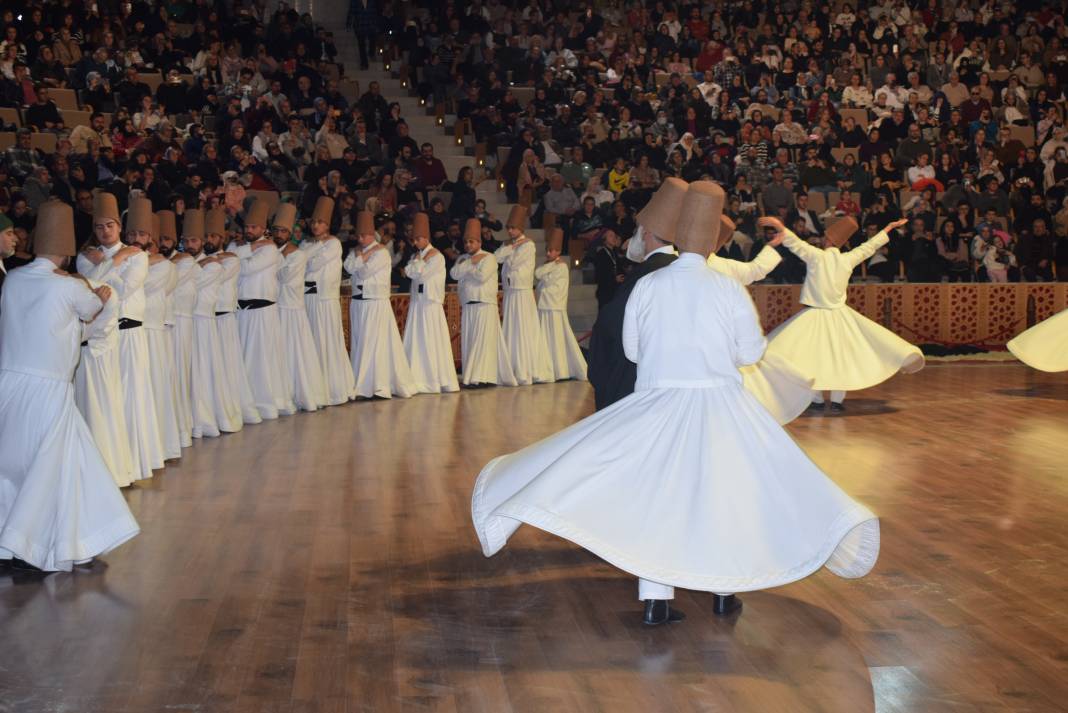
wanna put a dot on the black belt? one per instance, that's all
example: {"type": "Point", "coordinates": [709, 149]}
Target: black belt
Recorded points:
{"type": "Point", "coordinates": [220, 314]}
{"type": "Point", "coordinates": [125, 323]}
{"type": "Point", "coordinates": [475, 302]}
{"type": "Point", "coordinates": [85, 343]}
{"type": "Point", "coordinates": [311, 288]}
{"type": "Point", "coordinates": [357, 296]}
{"type": "Point", "coordinates": [253, 304]}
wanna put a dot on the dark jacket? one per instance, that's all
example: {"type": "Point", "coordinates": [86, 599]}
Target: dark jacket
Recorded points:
{"type": "Point", "coordinates": [611, 373]}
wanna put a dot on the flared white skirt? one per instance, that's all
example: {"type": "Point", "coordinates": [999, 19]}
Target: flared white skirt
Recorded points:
{"type": "Point", "coordinates": [842, 350]}
{"type": "Point", "coordinates": [234, 366]}
{"type": "Point", "coordinates": [324, 318]}
{"type": "Point", "coordinates": [779, 388]}
{"type": "Point", "coordinates": [213, 401]}
{"type": "Point", "coordinates": [98, 395]}
{"type": "Point", "coordinates": [183, 366]}
{"type": "Point", "coordinates": [696, 487]}
{"type": "Point", "coordinates": [564, 352]}
{"type": "Point", "coordinates": [305, 375]}
{"type": "Point", "coordinates": [527, 349]}
{"type": "Point", "coordinates": [165, 390]}
{"type": "Point", "coordinates": [265, 361]}
{"type": "Point", "coordinates": [428, 346]}
{"type": "Point", "coordinates": [482, 349]}
{"type": "Point", "coordinates": [146, 442]}
{"type": "Point", "coordinates": [59, 504]}
{"type": "Point", "coordinates": [379, 364]}
{"type": "Point", "coordinates": [1045, 345]}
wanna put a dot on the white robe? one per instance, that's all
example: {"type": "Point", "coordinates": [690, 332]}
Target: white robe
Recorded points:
{"type": "Point", "coordinates": [182, 300]}
{"type": "Point", "coordinates": [482, 349]}
{"type": "Point", "coordinates": [553, 281]}
{"type": "Point", "coordinates": [828, 341]}
{"type": "Point", "coordinates": [162, 279]}
{"type": "Point", "coordinates": [214, 402]}
{"type": "Point", "coordinates": [59, 505]}
{"type": "Point", "coordinates": [688, 481]}
{"type": "Point", "coordinates": [261, 333]}
{"type": "Point", "coordinates": [323, 275]}
{"type": "Point", "coordinates": [305, 376]}
{"type": "Point", "coordinates": [98, 392]}
{"type": "Point", "coordinates": [230, 341]}
{"type": "Point", "coordinates": [527, 349]}
{"type": "Point", "coordinates": [783, 391]}
{"type": "Point", "coordinates": [128, 281]}
{"type": "Point", "coordinates": [379, 364]}
{"type": "Point", "coordinates": [427, 342]}
{"type": "Point", "coordinates": [1045, 345]}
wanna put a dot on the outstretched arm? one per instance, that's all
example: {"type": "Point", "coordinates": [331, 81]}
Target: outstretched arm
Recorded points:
{"type": "Point", "coordinates": [869, 247]}
{"type": "Point", "coordinates": [790, 240]}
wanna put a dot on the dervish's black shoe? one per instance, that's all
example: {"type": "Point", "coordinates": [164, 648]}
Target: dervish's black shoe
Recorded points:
{"type": "Point", "coordinates": [725, 606]}
{"type": "Point", "coordinates": [659, 611]}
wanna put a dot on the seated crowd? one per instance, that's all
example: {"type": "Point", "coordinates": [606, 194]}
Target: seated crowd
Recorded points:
{"type": "Point", "coordinates": [950, 114]}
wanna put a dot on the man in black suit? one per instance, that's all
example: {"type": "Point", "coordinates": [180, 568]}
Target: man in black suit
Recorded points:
{"type": "Point", "coordinates": [607, 268]}
{"type": "Point", "coordinates": [611, 373]}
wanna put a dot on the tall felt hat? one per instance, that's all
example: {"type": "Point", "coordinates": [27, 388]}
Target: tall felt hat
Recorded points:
{"type": "Point", "coordinates": [473, 229]}
{"type": "Point", "coordinates": [698, 227]}
{"type": "Point", "coordinates": [215, 221]}
{"type": "Point", "coordinates": [105, 207]}
{"type": "Point", "coordinates": [193, 223]}
{"type": "Point", "coordinates": [5, 222]}
{"type": "Point", "coordinates": [54, 234]}
{"type": "Point", "coordinates": [421, 226]}
{"type": "Point", "coordinates": [662, 211]}
{"type": "Point", "coordinates": [139, 216]}
{"type": "Point", "coordinates": [285, 216]}
{"type": "Point", "coordinates": [365, 223]}
{"type": "Point", "coordinates": [258, 213]}
{"type": "Point", "coordinates": [168, 224]}
{"type": "Point", "coordinates": [840, 231]}
{"type": "Point", "coordinates": [155, 228]}
{"type": "Point", "coordinates": [324, 210]}
{"type": "Point", "coordinates": [555, 241]}
{"type": "Point", "coordinates": [517, 218]}
{"type": "Point", "coordinates": [726, 230]}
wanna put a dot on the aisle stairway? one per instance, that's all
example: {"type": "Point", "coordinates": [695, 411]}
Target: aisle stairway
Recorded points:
{"type": "Point", "coordinates": [582, 305]}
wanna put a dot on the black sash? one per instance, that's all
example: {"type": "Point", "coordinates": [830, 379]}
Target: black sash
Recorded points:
{"type": "Point", "coordinates": [253, 304]}
{"type": "Point", "coordinates": [357, 296]}
{"type": "Point", "coordinates": [125, 323]}
{"type": "Point", "coordinates": [220, 314]}
{"type": "Point", "coordinates": [311, 288]}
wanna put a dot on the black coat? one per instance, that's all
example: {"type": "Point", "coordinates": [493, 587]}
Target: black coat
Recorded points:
{"type": "Point", "coordinates": [611, 373]}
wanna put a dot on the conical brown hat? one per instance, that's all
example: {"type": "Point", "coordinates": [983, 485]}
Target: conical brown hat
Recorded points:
{"type": "Point", "coordinates": [473, 229]}
{"type": "Point", "coordinates": [421, 226]}
{"type": "Point", "coordinates": [726, 230]}
{"type": "Point", "coordinates": [285, 216]}
{"type": "Point", "coordinates": [139, 216]}
{"type": "Point", "coordinates": [155, 229]}
{"type": "Point", "coordinates": [105, 206]}
{"type": "Point", "coordinates": [517, 218]}
{"type": "Point", "coordinates": [660, 214]}
{"type": "Point", "coordinates": [324, 210]}
{"type": "Point", "coordinates": [193, 223]}
{"type": "Point", "coordinates": [555, 241]}
{"type": "Point", "coordinates": [365, 223]}
{"type": "Point", "coordinates": [215, 221]}
{"type": "Point", "coordinates": [840, 231]}
{"type": "Point", "coordinates": [54, 233]}
{"type": "Point", "coordinates": [258, 213]}
{"type": "Point", "coordinates": [698, 227]}
{"type": "Point", "coordinates": [168, 224]}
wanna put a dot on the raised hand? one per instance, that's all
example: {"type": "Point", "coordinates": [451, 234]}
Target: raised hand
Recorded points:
{"type": "Point", "coordinates": [770, 221]}
{"type": "Point", "coordinates": [897, 224]}
{"type": "Point", "coordinates": [103, 293]}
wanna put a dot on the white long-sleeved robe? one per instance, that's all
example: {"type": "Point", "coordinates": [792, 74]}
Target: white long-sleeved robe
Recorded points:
{"type": "Point", "coordinates": [182, 302]}
{"type": "Point", "coordinates": [215, 404]}
{"type": "Point", "coordinates": [829, 342]}
{"type": "Point", "coordinates": [230, 340]}
{"type": "Point", "coordinates": [98, 392]}
{"type": "Point", "coordinates": [162, 279]}
{"type": "Point", "coordinates": [553, 282]}
{"type": "Point", "coordinates": [379, 364]}
{"type": "Point", "coordinates": [321, 298]}
{"type": "Point", "coordinates": [260, 330]}
{"type": "Point", "coordinates": [305, 372]}
{"type": "Point", "coordinates": [59, 505]}
{"type": "Point", "coordinates": [484, 354]}
{"type": "Point", "coordinates": [128, 282]}
{"type": "Point", "coordinates": [688, 481]}
{"type": "Point", "coordinates": [527, 349]}
{"type": "Point", "coordinates": [427, 342]}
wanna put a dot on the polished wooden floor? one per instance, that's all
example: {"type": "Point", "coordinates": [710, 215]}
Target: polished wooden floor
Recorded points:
{"type": "Point", "coordinates": [326, 563]}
